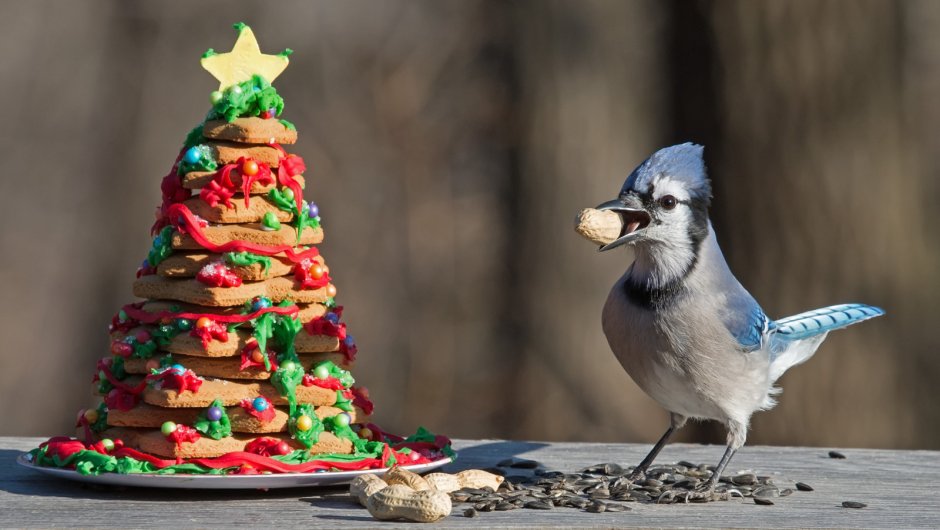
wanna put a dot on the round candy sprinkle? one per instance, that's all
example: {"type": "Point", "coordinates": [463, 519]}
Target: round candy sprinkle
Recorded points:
{"type": "Point", "coordinates": [215, 97]}
{"type": "Point", "coordinates": [203, 322]}
{"type": "Point", "coordinates": [260, 302]}
{"type": "Point", "coordinates": [282, 448]}
{"type": "Point", "coordinates": [288, 366]}
{"type": "Point", "coordinates": [178, 369]}
{"type": "Point", "coordinates": [167, 428]}
{"type": "Point", "coordinates": [304, 423]}
{"type": "Point", "coordinates": [321, 372]}
{"type": "Point", "coordinates": [260, 404]}
{"type": "Point", "coordinates": [102, 376]}
{"type": "Point", "coordinates": [142, 336]}
{"type": "Point", "coordinates": [236, 89]}
{"type": "Point", "coordinates": [313, 210]}
{"type": "Point", "coordinates": [365, 433]}
{"type": "Point", "coordinates": [91, 415]}
{"type": "Point", "coordinates": [343, 419]}
{"type": "Point", "coordinates": [184, 324]}
{"type": "Point", "coordinates": [214, 413]}
{"type": "Point", "coordinates": [317, 271]}
{"type": "Point", "coordinates": [191, 157]}
{"type": "Point", "coordinates": [332, 317]}
{"type": "Point", "coordinates": [288, 194]}
{"type": "Point", "coordinates": [250, 167]}
{"type": "Point", "coordinates": [330, 290]}
{"type": "Point", "coordinates": [348, 341]}
{"type": "Point", "coordinates": [257, 356]}
{"type": "Point", "coordinates": [108, 444]}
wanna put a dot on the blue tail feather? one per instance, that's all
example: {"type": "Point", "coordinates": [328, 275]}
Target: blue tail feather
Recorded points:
{"type": "Point", "coordinates": [819, 321]}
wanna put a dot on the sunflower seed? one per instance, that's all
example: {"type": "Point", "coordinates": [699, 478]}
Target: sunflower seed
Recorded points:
{"type": "Point", "coordinates": [744, 479]}
{"type": "Point", "coordinates": [763, 502]}
{"type": "Point", "coordinates": [802, 486]}
{"type": "Point", "coordinates": [505, 506]}
{"type": "Point", "coordinates": [538, 505]}
{"type": "Point", "coordinates": [524, 464]}
{"type": "Point", "coordinates": [836, 454]}
{"type": "Point", "coordinates": [853, 504]}
{"type": "Point", "coordinates": [470, 512]}
{"type": "Point", "coordinates": [597, 507]}
{"type": "Point", "coordinates": [612, 507]}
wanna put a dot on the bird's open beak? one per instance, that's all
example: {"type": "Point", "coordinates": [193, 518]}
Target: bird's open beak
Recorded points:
{"type": "Point", "coordinates": [635, 220]}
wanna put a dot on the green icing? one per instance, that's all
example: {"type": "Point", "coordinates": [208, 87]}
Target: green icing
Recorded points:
{"type": "Point", "coordinates": [209, 53]}
{"type": "Point", "coordinates": [248, 98]}
{"type": "Point", "coordinates": [288, 125]}
{"type": "Point", "coordinates": [286, 53]}
{"type": "Point", "coordinates": [194, 137]}
{"type": "Point", "coordinates": [345, 378]}
{"type": "Point", "coordinates": [342, 403]}
{"type": "Point", "coordinates": [285, 331]}
{"type": "Point", "coordinates": [270, 221]}
{"type": "Point", "coordinates": [286, 378]}
{"type": "Point", "coordinates": [102, 422]}
{"type": "Point", "coordinates": [264, 326]}
{"type": "Point", "coordinates": [300, 219]}
{"type": "Point", "coordinates": [206, 161]}
{"type": "Point", "coordinates": [310, 436]}
{"type": "Point", "coordinates": [330, 303]}
{"type": "Point", "coordinates": [424, 435]}
{"type": "Point", "coordinates": [239, 26]}
{"type": "Point", "coordinates": [162, 247]}
{"type": "Point", "coordinates": [247, 259]}
{"type": "Point", "coordinates": [216, 429]}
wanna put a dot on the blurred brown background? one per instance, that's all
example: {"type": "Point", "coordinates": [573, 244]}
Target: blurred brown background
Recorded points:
{"type": "Point", "coordinates": [451, 144]}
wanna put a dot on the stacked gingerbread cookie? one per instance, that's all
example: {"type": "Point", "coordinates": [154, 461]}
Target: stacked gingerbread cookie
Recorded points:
{"type": "Point", "coordinates": [238, 345]}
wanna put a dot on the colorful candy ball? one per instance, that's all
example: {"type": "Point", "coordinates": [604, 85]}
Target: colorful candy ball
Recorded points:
{"type": "Point", "coordinates": [192, 156]}
{"type": "Point", "coordinates": [330, 290]}
{"type": "Point", "coordinates": [304, 423]}
{"type": "Point", "coordinates": [321, 372]}
{"type": "Point", "coordinates": [178, 369]}
{"type": "Point", "coordinates": [365, 433]}
{"type": "Point", "coordinates": [214, 413]}
{"type": "Point", "coordinates": [108, 444]}
{"type": "Point", "coordinates": [260, 404]}
{"type": "Point", "coordinates": [288, 366]}
{"type": "Point", "coordinates": [250, 167]}
{"type": "Point", "coordinates": [215, 97]}
{"type": "Point", "coordinates": [257, 356]}
{"type": "Point", "coordinates": [288, 194]}
{"type": "Point", "coordinates": [91, 415]}
{"type": "Point", "coordinates": [260, 302]}
{"type": "Point", "coordinates": [317, 271]}
{"type": "Point", "coordinates": [184, 324]}
{"type": "Point", "coordinates": [168, 428]}
{"type": "Point", "coordinates": [313, 210]}
{"type": "Point", "coordinates": [282, 448]}
{"type": "Point", "coordinates": [343, 419]}
{"type": "Point", "coordinates": [203, 322]}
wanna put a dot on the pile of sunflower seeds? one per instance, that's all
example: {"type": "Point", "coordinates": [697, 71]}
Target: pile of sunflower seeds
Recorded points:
{"type": "Point", "coordinates": [607, 488]}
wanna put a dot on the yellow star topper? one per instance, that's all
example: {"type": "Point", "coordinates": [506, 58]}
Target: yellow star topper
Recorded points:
{"type": "Point", "coordinates": [244, 61]}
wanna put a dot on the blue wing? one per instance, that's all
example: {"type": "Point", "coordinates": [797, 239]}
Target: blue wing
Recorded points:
{"type": "Point", "coordinates": [750, 328]}
{"type": "Point", "coordinates": [819, 321]}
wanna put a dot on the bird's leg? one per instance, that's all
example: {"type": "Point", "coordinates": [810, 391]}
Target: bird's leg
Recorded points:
{"type": "Point", "coordinates": [676, 421]}
{"type": "Point", "coordinates": [706, 491]}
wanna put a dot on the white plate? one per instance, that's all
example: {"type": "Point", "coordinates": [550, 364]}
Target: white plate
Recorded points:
{"type": "Point", "coordinates": [226, 482]}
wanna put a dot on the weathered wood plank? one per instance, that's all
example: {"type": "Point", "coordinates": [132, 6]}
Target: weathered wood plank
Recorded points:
{"type": "Point", "coordinates": [900, 488]}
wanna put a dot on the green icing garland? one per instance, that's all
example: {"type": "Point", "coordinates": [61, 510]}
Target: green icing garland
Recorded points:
{"type": "Point", "coordinates": [206, 162]}
{"type": "Point", "coordinates": [286, 378]}
{"type": "Point", "coordinates": [301, 219]}
{"type": "Point", "coordinates": [215, 429]}
{"type": "Point", "coordinates": [248, 98]}
{"type": "Point", "coordinates": [247, 259]}
{"type": "Point", "coordinates": [162, 247]}
{"type": "Point", "coordinates": [287, 125]}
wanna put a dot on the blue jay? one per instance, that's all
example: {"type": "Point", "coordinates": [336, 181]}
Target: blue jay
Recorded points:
{"type": "Point", "coordinates": [682, 325]}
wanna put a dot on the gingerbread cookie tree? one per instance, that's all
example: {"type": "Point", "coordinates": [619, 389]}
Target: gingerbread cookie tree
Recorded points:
{"type": "Point", "coordinates": [237, 357]}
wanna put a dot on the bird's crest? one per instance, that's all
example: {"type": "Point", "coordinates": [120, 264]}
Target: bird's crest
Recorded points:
{"type": "Point", "coordinates": [680, 168]}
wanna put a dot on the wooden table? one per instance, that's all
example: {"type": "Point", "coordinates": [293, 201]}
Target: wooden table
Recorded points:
{"type": "Point", "coordinates": [901, 488]}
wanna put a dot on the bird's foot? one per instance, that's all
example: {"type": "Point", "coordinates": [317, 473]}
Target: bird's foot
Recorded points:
{"type": "Point", "coordinates": [702, 493]}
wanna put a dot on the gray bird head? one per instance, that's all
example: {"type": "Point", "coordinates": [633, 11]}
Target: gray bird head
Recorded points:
{"type": "Point", "coordinates": [665, 200]}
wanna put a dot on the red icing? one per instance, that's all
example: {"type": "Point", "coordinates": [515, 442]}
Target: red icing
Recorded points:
{"type": "Point", "coordinates": [330, 383]}
{"type": "Point", "coordinates": [267, 447]}
{"type": "Point", "coordinates": [323, 326]}
{"type": "Point", "coordinates": [63, 447]}
{"type": "Point", "coordinates": [248, 354]}
{"type": "Point", "coordinates": [361, 399]}
{"type": "Point", "coordinates": [184, 219]}
{"type": "Point", "coordinates": [290, 166]}
{"type": "Point", "coordinates": [205, 334]}
{"type": "Point", "coordinates": [135, 312]}
{"type": "Point", "coordinates": [218, 275]}
{"type": "Point", "coordinates": [306, 277]}
{"type": "Point", "coordinates": [173, 192]}
{"type": "Point", "coordinates": [121, 399]}
{"type": "Point", "coordinates": [173, 380]}
{"type": "Point", "coordinates": [264, 416]}
{"type": "Point", "coordinates": [116, 324]}
{"type": "Point", "coordinates": [182, 433]}
{"type": "Point", "coordinates": [223, 186]}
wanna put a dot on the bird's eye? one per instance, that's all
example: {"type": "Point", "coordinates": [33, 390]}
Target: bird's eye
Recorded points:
{"type": "Point", "coordinates": [668, 202]}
